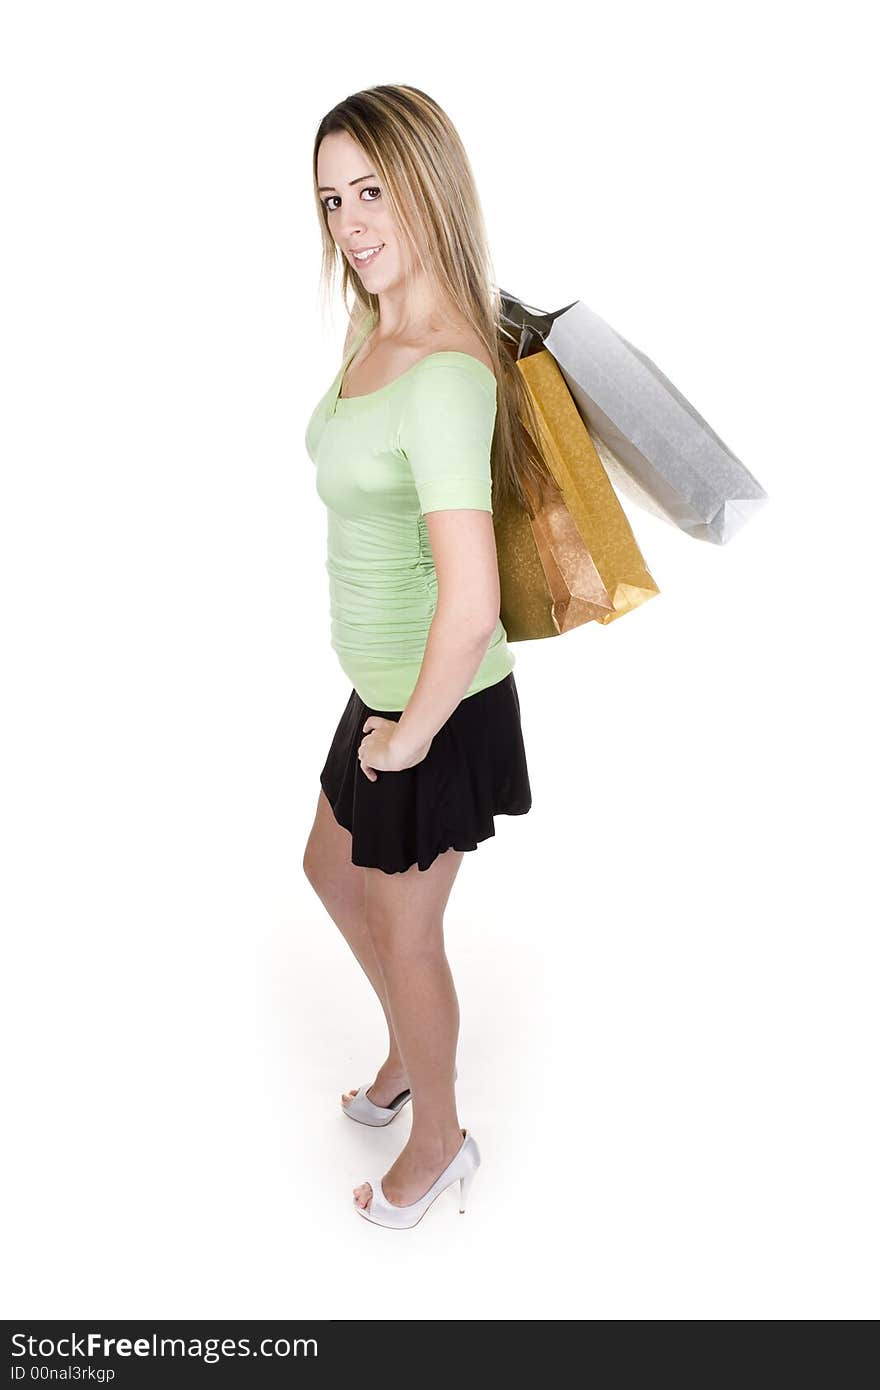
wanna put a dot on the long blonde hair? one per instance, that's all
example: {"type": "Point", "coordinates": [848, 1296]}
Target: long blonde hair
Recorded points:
{"type": "Point", "coordinates": [415, 150]}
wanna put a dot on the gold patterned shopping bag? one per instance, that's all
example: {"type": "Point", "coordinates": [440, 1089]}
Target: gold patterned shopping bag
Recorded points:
{"type": "Point", "coordinates": [577, 560]}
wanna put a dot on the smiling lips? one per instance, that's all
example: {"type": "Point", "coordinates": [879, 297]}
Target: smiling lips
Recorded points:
{"type": "Point", "coordinates": [367, 255]}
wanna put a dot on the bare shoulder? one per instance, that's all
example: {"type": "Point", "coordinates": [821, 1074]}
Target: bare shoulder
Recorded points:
{"type": "Point", "coordinates": [463, 340]}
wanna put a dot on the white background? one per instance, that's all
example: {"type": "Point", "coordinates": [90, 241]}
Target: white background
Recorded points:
{"type": "Point", "coordinates": [668, 970]}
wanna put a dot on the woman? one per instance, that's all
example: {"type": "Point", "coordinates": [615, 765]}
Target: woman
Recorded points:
{"type": "Point", "coordinates": [419, 437]}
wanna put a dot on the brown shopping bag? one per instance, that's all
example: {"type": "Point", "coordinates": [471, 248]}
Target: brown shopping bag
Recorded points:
{"type": "Point", "coordinates": [577, 560]}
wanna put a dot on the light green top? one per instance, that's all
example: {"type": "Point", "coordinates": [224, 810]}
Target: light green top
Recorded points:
{"type": "Point", "coordinates": [419, 444]}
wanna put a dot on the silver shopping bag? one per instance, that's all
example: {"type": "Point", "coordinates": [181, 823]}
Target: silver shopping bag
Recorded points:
{"type": "Point", "coordinates": [653, 445]}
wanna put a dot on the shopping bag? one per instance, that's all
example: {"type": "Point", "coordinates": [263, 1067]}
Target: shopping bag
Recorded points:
{"type": "Point", "coordinates": [654, 446]}
{"type": "Point", "coordinates": [576, 560]}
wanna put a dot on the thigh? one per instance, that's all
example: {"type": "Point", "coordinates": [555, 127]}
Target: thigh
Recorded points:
{"type": "Point", "coordinates": [409, 906]}
{"type": "Point", "coordinates": [327, 858]}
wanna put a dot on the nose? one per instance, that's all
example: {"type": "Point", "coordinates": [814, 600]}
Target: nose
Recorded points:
{"type": "Point", "coordinates": [354, 227]}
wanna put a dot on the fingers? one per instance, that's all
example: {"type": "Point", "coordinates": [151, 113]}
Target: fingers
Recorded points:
{"type": "Point", "coordinates": [365, 768]}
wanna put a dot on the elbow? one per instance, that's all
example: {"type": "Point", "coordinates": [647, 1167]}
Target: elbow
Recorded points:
{"type": "Point", "coordinates": [487, 615]}
{"type": "Point", "coordinates": [480, 627]}
{"type": "Point", "coordinates": [487, 628]}
{"type": "Point", "coordinates": [479, 634]}
{"type": "Point", "coordinates": [476, 625]}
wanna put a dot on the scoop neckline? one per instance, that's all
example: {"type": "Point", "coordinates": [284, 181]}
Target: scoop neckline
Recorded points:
{"type": "Point", "coordinates": [380, 390]}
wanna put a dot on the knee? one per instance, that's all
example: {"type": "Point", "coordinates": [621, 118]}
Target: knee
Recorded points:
{"type": "Point", "coordinates": [404, 942]}
{"type": "Point", "coordinates": [311, 865]}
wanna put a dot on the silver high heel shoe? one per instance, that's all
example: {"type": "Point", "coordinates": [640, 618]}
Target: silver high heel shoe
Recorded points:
{"type": "Point", "coordinates": [362, 1109]}
{"type": "Point", "coordinates": [460, 1170]}
{"type": "Point", "coordinates": [366, 1112]}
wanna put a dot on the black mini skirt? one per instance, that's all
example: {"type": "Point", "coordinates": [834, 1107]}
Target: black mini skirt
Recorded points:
{"type": "Point", "coordinates": [475, 770]}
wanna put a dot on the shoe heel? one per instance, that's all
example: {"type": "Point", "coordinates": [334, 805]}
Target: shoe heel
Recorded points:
{"type": "Point", "coordinates": [465, 1185]}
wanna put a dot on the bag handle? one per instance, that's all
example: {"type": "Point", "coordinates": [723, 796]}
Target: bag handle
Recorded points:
{"type": "Point", "coordinates": [525, 325]}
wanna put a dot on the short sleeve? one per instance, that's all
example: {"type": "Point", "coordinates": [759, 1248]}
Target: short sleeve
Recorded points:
{"type": "Point", "coordinates": [445, 432]}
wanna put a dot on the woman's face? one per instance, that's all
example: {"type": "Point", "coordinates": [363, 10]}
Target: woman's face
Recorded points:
{"type": "Point", "coordinates": [357, 214]}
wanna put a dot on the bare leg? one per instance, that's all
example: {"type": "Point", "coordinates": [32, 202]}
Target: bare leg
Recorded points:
{"type": "Point", "coordinates": [404, 914]}
{"type": "Point", "coordinates": [340, 886]}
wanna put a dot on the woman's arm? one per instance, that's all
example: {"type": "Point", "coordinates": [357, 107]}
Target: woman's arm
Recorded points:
{"type": "Point", "coordinates": [467, 612]}
{"type": "Point", "coordinates": [446, 429]}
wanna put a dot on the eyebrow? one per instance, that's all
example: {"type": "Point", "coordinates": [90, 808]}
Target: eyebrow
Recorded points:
{"type": "Point", "coordinates": [352, 182]}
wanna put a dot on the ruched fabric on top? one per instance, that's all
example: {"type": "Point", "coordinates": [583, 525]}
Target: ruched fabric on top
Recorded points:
{"type": "Point", "coordinates": [421, 443]}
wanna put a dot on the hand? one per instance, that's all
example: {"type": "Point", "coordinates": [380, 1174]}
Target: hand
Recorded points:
{"type": "Point", "coordinates": [382, 749]}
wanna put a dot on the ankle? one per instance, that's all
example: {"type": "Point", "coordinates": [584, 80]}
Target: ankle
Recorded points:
{"type": "Point", "coordinates": [393, 1066]}
{"type": "Point", "coordinates": [434, 1146]}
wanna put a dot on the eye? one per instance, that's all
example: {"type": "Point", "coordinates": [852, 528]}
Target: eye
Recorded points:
{"type": "Point", "coordinates": [335, 196]}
